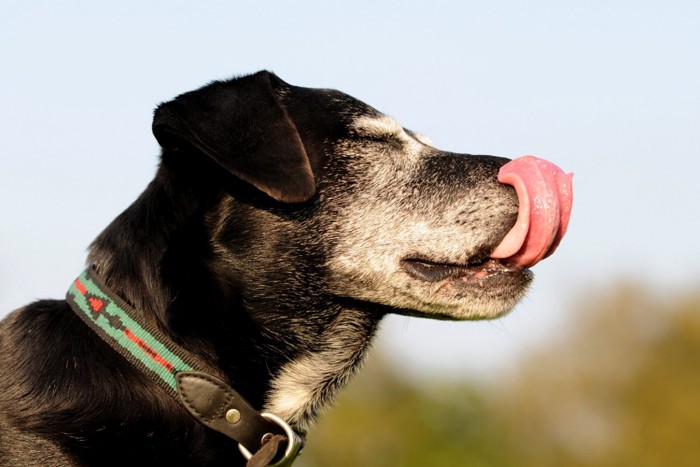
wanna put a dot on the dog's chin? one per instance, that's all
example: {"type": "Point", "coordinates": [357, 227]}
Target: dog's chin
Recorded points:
{"type": "Point", "coordinates": [482, 290]}
{"type": "Point", "coordinates": [476, 290]}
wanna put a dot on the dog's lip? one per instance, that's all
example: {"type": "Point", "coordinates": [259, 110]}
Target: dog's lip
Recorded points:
{"type": "Point", "coordinates": [474, 271]}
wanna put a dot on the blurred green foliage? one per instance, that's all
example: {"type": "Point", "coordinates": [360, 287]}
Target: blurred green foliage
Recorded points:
{"type": "Point", "coordinates": [619, 387]}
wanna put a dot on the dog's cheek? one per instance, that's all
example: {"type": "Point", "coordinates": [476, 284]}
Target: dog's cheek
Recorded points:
{"type": "Point", "coordinates": [372, 231]}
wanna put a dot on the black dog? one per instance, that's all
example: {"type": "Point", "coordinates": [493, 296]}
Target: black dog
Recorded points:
{"type": "Point", "coordinates": [282, 225]}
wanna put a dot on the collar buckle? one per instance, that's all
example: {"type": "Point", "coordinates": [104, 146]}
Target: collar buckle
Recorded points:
{"type": "Point", "coordinates": [295, 442]}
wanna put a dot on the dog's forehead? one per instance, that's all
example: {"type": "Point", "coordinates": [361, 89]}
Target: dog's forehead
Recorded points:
{"type": "Point", "coordinates": [338, 111]}
{"type": "Point", "coordinates": [325, 103]}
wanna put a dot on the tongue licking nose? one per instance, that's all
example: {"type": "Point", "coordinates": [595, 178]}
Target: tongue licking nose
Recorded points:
{"type": "Point", "coordinates": [545, 197]}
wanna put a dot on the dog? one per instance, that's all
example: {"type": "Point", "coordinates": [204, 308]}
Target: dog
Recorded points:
{"type": "Point", "coordinates": [282, 225]}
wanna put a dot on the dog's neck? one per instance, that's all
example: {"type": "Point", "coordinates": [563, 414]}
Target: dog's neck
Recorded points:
{"type": "Point", "coordinates": [129, 251]}
{"type": "Point", "coordinates": [165, 271]}
{"type": "Point", "coordinates": [159, 268]}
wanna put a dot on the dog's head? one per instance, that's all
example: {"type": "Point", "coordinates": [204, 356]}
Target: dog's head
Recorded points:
{"type": "Point", "coordinates": [314, 215]}
{"type": "Point", "coordinates": [354, 206]}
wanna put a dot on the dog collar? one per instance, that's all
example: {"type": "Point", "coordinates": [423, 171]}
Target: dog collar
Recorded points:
{"type": "Point", "coordinates": [207, 398]}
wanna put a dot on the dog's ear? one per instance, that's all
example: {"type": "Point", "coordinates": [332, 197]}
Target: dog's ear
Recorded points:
{"type": "Point", "coordinates": [243, 127]}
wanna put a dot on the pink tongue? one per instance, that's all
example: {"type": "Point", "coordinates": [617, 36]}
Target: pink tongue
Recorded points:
{"type": "Point", "coordinates": [545, 198]}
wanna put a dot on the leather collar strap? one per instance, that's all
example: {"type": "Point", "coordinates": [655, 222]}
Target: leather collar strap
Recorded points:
{"type": "Point", "coordinates": [207, 398]}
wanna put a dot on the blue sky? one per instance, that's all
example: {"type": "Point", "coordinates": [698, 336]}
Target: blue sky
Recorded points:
{"type": "Point", "coordinates": [608, 90]}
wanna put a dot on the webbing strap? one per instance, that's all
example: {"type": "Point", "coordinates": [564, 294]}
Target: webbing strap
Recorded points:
{"type": "Point", "coordinates": [118, 324]}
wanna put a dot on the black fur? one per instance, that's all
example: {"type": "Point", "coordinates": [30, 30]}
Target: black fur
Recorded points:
{"type": "Point", "coordinates": [226, 251]}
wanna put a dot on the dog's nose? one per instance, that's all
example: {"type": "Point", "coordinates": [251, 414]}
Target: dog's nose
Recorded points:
{"type": "Point", "coordinates": [545, 197]}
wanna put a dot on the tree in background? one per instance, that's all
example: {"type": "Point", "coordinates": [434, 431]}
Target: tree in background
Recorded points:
{"type": "Point", "coordinates": [619, 387]}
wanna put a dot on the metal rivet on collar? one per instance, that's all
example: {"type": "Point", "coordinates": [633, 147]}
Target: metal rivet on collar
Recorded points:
{"type": "Point", "coordinates": [233, 416]}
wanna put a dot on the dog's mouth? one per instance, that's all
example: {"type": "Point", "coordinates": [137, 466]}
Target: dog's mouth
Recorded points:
{"type": "Point", "coordinates": [545, 198]}
{"type": "Point", "coordinates": [474, 272]}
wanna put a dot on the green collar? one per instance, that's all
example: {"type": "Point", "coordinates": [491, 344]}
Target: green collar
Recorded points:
{"type": "Point", "coordinates": [207, 398]}
{"type": "Point", "coordinates": [118, 324]}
